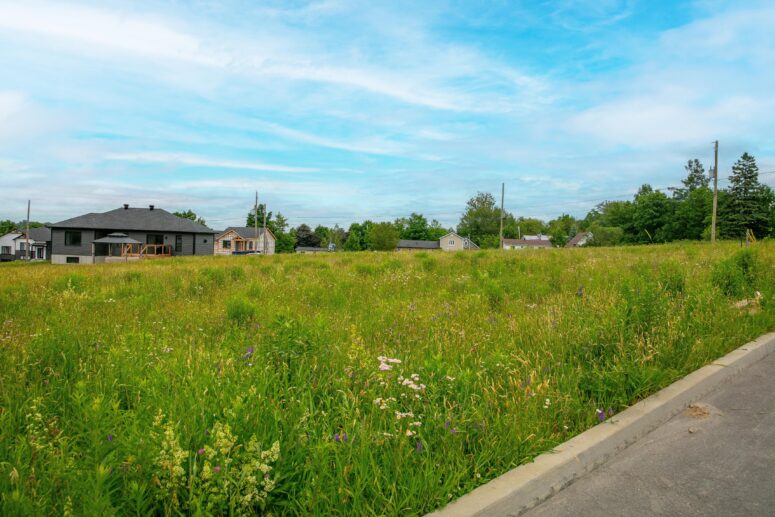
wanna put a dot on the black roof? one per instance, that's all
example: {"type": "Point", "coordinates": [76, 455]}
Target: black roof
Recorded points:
{"type": "Point", "coordinates": [420, 245]}
{"type": "Point", "coordinates": [134, 219]}
{"type": "Point", "coordinates": [311, 248]}
{"type": "Point", "coordinates": [41, 234]}
{"type": "Point", "coordinates": [246, 232]}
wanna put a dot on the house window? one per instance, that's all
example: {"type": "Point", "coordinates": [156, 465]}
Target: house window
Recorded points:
{"type": "Point", "coordinates": [452, 242]}
{"type": "Point", "coordinates": [6, 250]}
{"type": "Point", "coordinates": [154, 238]}
{"type": "Point", "coordinates": [226, 244]}
{"type": "Point", "coordinates": [178, 244]}
{"type": "Point", "coordinates": [250, 245]}
{"type": "Point", "coordinates": [22, 246]}
{"type": "Point", "coordinates": [73, 260]}
{"type": "Point", "coordinates": [72, 238]}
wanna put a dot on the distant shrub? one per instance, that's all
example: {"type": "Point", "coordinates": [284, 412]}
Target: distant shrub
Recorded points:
{"type": "Point", "coordinates": [737, 276]}
{"type": "Point", "coordinates": [421, 255]}
{"type": "Point", "coordinates": [240, 310]}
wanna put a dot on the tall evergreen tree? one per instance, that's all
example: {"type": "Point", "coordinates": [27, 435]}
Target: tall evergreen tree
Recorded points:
{"type": "Point", "coordinates": [695, 178]}
{"type": "Point", "coordinates": [748, 206]}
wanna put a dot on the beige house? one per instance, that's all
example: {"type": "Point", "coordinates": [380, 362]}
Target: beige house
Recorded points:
{"type": "Point", "coordinates": [244, 241]}
{"type": "Point", "coordinates": [454, 242]}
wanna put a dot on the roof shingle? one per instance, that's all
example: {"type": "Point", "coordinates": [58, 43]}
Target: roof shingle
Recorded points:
{"type": "Point", "coordinates": [134, 219]}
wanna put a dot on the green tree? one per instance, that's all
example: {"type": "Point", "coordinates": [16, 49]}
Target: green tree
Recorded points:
{"type": "Point", "coordinates": [693, 213]}
{"type": "Point", "coordinates": [285, 242]}
{"type": "Point", "coordinates": [651, 214]}
{"type": "Point", "coordinates": [383, 237]}
{"type": "Point", "coordinates": [562, 229]}
{"type": "Point", "coordinates": [436, 231]}
{"type": "Point", "coordinates": [355, 238]}
{"type": "Point", "coordinates": [306, 237]}
{"type": "Point", "coordinates": [748, 206]}
{"type": "Point", "coordinates": [605, 235]}
{"type": "Point", "coordinates": [514, 228]}
{"type": "Point", "coordinates": [620, 214]}
{"type": "Point", "coordinates": [415, 227]}
{"type": "Point", "coordinates": [190, 214]}
{"type": "Point", "coordinates": [481, 219]}
{"type": "Point", "coordinates": [324, 234]}
{"type": "Point", "coordinates": [695, 178]}
{"type": "Point", "coordinates": [250, 221]}
{"type": "Point", "coordinates": [7, 226]}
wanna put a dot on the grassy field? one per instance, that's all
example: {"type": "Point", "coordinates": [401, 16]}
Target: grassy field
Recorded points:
{"type": "Point", "coordinates": [352, 384]}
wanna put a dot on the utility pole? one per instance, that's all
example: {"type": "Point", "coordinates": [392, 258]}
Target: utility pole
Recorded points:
{"type": "Point", "coordinates": [255, 219]}
{"type": "Point", "coordinates": [265, 211]}
{"type": "Point", "coordinates": [715, 192]}
{"type": "Point", "coordinates": [28, 231]}
{"type": "Point", "coordinates": [503, 192]}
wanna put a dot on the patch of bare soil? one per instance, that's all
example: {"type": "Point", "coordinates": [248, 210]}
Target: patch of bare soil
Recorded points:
{"type": "Point", "coordinates": [696, 411]}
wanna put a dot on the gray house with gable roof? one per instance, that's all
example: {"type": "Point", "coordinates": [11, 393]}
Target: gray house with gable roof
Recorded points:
{"type": "Point", "coordinates": [127, 234]}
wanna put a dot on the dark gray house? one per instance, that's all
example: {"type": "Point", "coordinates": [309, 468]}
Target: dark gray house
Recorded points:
{"type": "Point", "coordinates": [144, 233]}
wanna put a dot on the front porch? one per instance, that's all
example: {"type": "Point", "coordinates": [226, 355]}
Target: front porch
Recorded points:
{"type": "Point", "coordinates": [119, 247]}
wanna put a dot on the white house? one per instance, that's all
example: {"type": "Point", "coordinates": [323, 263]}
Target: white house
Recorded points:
{"type": "Point", "coordinates": [8, 246]}
{"type": "Point", "coordinates": [528, 241]}
{"type": "Point", "coordinates": [40, 244]}
{"type": "Point", "coordinates": [244, 241]}
{"type": "Point", "coordinates": [580, 239]}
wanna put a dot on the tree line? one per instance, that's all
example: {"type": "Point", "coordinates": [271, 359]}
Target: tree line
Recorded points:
{"type": "Point", "coordinates": [652, 216]}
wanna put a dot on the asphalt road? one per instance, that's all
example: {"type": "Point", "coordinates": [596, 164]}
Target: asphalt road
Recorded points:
{"type": "Point", "coordinates": [715, 458]}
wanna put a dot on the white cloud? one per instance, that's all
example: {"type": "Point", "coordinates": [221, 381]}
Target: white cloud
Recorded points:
{"type": "Point", "coordinates": [198, 161]}
{"type": "Point", "coordinates": [102, 28]}
{"type": "Point", "coordinates": [417, 78]}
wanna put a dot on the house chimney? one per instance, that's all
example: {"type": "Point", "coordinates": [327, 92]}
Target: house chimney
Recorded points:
{"type": "Point", "coordinates": [150, 206]}
{"type": "Point", "coordinates": [126, 206]}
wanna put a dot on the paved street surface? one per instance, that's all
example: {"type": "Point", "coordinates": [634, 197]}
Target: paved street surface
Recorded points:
{"type": "Point", "coordinates": [716, 458]}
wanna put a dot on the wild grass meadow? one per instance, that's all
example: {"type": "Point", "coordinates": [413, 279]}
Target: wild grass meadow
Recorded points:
{"type": "Point", "coordinates": [344, 383]}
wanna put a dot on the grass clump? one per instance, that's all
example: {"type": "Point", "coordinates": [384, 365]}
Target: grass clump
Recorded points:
{"type": "Point", "coordinates": [240, 310]}
{"type": "Point", "coordinates": [737, 276]}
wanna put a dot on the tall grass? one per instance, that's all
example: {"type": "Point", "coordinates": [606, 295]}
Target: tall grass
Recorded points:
{"type": "Point", "coordinates": [373, 383]}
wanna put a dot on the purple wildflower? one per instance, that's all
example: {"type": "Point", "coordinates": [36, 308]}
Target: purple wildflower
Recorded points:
{"type": "Point", "coordinates": [249, 352]}
{"type": "Point", "coordinates": [600, 415]}
{"type": "Point", "coordinates": [217, 469]}
{"type": "Point", "coordinates": [610, 412]}
{"type": "Point", "coordinates": [453, 430]}
{"type": "Point", "coordinates": [110, 437]}
{"type": "Point", "coordinates": [200, 451]}
{"type": "Point", "coordinates": [418, 446]}
{"type": "Point", "coordinates": [344, 437]}
{"type": "Point", "coordinates": [447, 424]}
{"type": "Point", "coordinates": [336, 438]}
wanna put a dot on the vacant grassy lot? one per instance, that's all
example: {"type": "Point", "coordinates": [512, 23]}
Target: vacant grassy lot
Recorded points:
{"type": "Point", "coordinates": [352, 384]}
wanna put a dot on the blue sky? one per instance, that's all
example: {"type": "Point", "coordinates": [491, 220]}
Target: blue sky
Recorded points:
{"type": "Point", "coordinates": [338, 111]}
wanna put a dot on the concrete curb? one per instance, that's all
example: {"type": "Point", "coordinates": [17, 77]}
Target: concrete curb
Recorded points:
{"type": "Point", "coordinates": [526, 486]}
